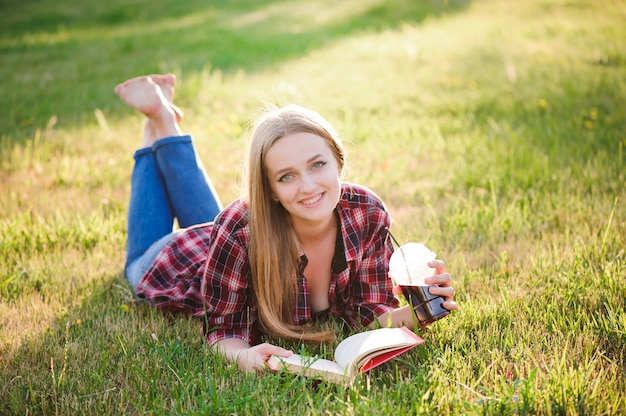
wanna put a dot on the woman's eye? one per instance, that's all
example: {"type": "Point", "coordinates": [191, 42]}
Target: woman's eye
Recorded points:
{"type": "Point", "coordinates": [285, 177]}
{"type": "Point", "coordinates": [318, 164]}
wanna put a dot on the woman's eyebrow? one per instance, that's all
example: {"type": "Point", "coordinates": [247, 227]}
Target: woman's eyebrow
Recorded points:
{"type": "Point", "coordinates": [290, 168]}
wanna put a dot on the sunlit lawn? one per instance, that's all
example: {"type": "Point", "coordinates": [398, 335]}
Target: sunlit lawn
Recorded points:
{"type": "Point", "coordinates": [494, 130]}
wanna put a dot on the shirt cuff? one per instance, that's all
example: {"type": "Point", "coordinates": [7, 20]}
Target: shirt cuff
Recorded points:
{"type": "Point", "coordinates": [217, 335]}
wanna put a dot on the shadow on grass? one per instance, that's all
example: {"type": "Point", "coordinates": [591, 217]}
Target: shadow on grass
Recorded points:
{"type": "Point", "coordinates": [107, 355]}
{"type": "Point", "coordinates": [63, 58]}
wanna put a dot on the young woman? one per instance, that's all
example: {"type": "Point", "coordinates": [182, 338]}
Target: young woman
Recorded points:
{"type": "Point", "coordinates": [299, 244]}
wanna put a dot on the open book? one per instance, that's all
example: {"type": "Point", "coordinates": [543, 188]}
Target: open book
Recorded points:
{"type": "Point", "coordinates": [354, 355]}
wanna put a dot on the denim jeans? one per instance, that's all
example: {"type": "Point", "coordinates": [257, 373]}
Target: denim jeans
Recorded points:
{"type": "Point", "coordinates": [168, 182]}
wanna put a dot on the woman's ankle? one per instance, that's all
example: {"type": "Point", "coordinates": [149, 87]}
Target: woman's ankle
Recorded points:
{"type": "Point", "coordinates": [165, 124]}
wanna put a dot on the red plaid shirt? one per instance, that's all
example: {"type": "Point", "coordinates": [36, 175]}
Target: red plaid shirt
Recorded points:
{"type": "Point", "coordinates": [205, 270]}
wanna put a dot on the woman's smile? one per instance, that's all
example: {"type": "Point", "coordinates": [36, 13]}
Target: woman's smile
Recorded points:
{"type": "Point", "coordinates": [310, 202]}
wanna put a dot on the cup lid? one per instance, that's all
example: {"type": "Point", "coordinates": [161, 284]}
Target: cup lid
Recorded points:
{"type": "Point", "coordinates": [411, 253]}
{"type": "Point", "coordinates": [408, 264]}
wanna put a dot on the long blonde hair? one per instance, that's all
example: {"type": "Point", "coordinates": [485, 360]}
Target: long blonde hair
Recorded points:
{"type": "Point", "coordinates": [274, 252]}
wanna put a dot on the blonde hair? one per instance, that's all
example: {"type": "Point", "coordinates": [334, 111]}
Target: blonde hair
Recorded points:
{"type": "Point", "coordinates": [274, 252]}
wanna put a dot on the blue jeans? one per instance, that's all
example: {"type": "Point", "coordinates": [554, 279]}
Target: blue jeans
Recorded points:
{"type": "Point", "coordinates": [168, 183]}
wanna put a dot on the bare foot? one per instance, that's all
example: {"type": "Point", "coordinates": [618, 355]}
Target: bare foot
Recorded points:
{"type": "Point", "coordinates": [167, 83]}
{"type": "Point", "coordinates": [143, 94]}
{"type": "Point", "coordinates": [149, 97]}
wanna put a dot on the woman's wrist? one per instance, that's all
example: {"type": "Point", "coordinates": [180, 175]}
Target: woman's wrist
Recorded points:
{"type": "Point", "coordinates": [233, 349]}
{"type": "Point", "coordinates": [236, 357]}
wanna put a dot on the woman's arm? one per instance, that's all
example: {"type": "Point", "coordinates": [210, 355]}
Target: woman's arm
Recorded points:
{"type": "Point", "coordinates": [249, 358]}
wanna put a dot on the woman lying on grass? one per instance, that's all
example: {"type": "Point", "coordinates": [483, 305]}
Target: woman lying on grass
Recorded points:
{"type": "Point", "coordinates": [299, 245]}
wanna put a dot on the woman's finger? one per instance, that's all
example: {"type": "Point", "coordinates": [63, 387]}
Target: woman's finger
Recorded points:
{"type": "Point", "coordinates": [443, 291]}
{"type": "Point", "coordinates": [443, 279]}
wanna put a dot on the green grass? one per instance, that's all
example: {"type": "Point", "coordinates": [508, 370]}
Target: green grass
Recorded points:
{"type": "Point", "coordinates": [494, 130]}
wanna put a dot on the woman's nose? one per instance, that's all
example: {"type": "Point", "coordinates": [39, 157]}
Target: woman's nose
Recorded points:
{"type": "Point", "coordinates": [308, 183]}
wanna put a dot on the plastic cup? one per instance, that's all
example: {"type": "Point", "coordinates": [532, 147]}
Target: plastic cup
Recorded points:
{"type": "Point", "coordinates": [408, 267]}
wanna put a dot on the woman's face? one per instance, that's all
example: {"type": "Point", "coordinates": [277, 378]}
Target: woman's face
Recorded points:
{"type": "Point", "coordinates": [305, 177]}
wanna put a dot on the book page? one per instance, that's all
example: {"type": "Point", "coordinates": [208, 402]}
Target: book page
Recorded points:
{"type": "Point", "coordinates": [313, 363]}
{"type": "Point", "coordinates": [352, 350]}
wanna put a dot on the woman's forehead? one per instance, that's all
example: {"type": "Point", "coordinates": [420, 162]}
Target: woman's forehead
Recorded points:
{"type": "Point", "coordinates": [298, 147]}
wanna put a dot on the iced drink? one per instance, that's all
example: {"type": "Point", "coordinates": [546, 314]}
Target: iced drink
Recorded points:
{"type": "Point", "coordinates": [408, 267]}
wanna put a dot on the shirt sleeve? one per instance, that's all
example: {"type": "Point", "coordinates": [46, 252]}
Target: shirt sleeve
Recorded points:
{"type": "Point", "coordinates": [173, 281]}
{"type": "Point", "coordinates": [226, 288]}
{"type": "Point", "coordinates": [372, 288]}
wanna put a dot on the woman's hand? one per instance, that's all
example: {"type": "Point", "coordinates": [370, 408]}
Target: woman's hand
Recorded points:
{"type": "Point", "coordinates": [255, 358]}
{"type": "Point", "coordinates": [441, 284]}
{"type": "Point", "coordinates": [249, 358]}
